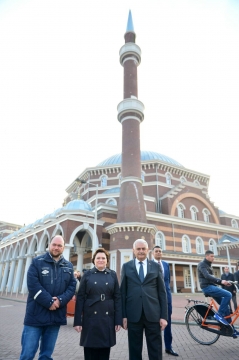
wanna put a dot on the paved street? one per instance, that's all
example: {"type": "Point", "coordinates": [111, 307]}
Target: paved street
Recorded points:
{"type": "Point", "coordinates": [11, 318]}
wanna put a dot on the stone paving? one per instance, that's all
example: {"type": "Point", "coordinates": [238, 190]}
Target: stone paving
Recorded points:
{"type": "Point", "coordinates": [11, 318]}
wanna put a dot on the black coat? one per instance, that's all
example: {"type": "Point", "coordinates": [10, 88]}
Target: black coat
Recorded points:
{"type": "Point", "coordinates": [230, 277]}
{"type": "Point", "coordinates": [150, 295]}
{"type": "Point", "coordinates": [98, 308]}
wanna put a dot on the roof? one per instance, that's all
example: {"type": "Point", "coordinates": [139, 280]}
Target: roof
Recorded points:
{"type": "Point", "coordinates": [145, 156]}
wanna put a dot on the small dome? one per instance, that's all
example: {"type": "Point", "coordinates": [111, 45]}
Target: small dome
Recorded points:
{"type": "Point", "coordinates": [145, 155]}
{"type": "Point", "coordinates": [78, 205]}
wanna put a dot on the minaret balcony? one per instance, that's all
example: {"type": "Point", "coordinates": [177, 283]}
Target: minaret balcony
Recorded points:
{"type": "Point", "coordinates": [130, 51]}
{"type": "Point", "coordinates": [130, 109]}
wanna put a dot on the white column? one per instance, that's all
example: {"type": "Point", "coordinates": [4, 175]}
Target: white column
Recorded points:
{"type": "Point", "coordinates": [174, 280]}
{"type": "Point", "coordinates": [192, 279]}
{"type": "Point", "coordinates": [66, 252]}
{"type": "Point", "coordinates": [80, 257]}
{"type": "Point", "coordinates": [221, 271]}
{"type": "Point", "coordinates": [1, 276]}
{"type": "Point", "coordinates": [16, 286]}
{"type": "Point", "coordinates": [198, 283]}
{"type": "Point", "coordinates": [11, 274]}
{"type": "Point", "coordinates": [24, 283]}
{"type": "Point", "coordinates": [5, 276]}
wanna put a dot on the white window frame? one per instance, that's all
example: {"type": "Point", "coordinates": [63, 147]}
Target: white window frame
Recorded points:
{"type": "Point", "coordinates": [199, 243]}
{"type": "Point", "coordinates": [187, 278]}
{"type": "Point", "coordinates": [213, 246]}
{"type": "Point", "coordinates": [168, 177]}
{"type": "Point", "coordinates": [183, 179]}
{"type": "Point", "coordinates": [102, 178]}
{"type": "Point", "coordinates": [125, 253]}
{"type": "Point", "coordinates": [206, 215]}
{"type": "Point", "coordinates": [194, 212]}
{"type": "Point", "coordinates": [113, 260]}
{"type": "Point", "coordinates": [160, 242]}
{"type": "Point", "coordinates": [181, 208]}
{"type": "Point", "coordinates": [186, 245]}
{"type": "Point", "coordinates": [111, 199]}
{"type": "Point", "coordinates": [234, 223]}
{"type": "Point", "coordinates": [143, 176]}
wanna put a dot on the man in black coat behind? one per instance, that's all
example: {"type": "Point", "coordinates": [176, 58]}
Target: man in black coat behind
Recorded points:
{"type": "Point", "coordinates": [144, 303]}
{"type": "Point", "coordinates": [230, 277]}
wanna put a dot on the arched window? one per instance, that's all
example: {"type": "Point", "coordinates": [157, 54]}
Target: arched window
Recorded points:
{"type": "Point", "coordinates": [181, 209]}
{"type": "Point", "coordinates": [142, 175]}
{"type": "Point", "coordinates": [234, 224]}
{"type": "Point", "coordinates": [194, 212]}
{"type": "Point", "coordinates": [206, 215]}
{"type": "Point", "coordinates": [196, 182]}
{"type": "Point", "coordinates": [168, 178]}
{"type": "Point", "coordinates": [186, 246]}
{"type": "Point", "coordinates": [111, 201]}
{"type": "Point", "coordinates": [199, 246]}
{"type": "Point", "coordinates": [160, 240]}
{"type": "Point", "coordinates": [103, 180]}
{"type": "Point", "coordinates": [183, 179]}
{"type": "Point", "coordinates": [213, 246]}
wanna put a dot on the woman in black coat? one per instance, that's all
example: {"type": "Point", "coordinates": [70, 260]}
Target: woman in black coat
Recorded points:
{"type": "Point", "coordinates": [98, 314]}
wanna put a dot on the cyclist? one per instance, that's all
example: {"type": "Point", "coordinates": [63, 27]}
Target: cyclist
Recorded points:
{"type": "Point", "coordinates": [208, 284]}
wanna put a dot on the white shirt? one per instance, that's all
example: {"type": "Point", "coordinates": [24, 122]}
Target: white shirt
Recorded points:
{"type": "Point", "coordinates": [160, 264]}
{"type": "Point", "coordinates": [137, 264]}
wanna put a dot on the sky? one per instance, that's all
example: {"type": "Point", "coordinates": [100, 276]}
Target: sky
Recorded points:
{"type": "Point", "coordinates": [61, 82]}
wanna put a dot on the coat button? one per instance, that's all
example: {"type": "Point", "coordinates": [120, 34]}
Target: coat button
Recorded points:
{"type": "Point", "coordinates": [95, 312]}
{"type": "Point", "coordinates": [106, 283]}
{"type": "Point", "coordinates": [95, 282]}
{"type": "Point", "coordinates": [107, 313]}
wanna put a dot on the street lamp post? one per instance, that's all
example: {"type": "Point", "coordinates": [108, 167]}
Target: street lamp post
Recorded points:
{"type": "Point", "coordinates": [94, 242]}
{"type": "Point", "coordinates": [225, 244]}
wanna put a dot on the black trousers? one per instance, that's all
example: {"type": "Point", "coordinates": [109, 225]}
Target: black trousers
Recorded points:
{"type": "Point", "coordinates": [97, 353]}
{"type": "Point", "coordinates": [153, 339]}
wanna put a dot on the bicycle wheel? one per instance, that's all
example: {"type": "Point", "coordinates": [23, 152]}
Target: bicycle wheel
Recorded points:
{"type": "Point", "coordinates": [193, 322]}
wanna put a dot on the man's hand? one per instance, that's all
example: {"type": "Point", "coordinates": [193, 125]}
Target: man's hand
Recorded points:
{"type": "Point", "coordinates": [56, 304]}
{"type": "Point", "coordinates": [117, 327]}
{"type": "Point", "coordinates": [78, 328]}
{"type": "Point", "coordinates": [125, 326]}
{"type": "Point", "coordinates": [163, 323]}
{"type": "Point", "coordinates": [225, 282]}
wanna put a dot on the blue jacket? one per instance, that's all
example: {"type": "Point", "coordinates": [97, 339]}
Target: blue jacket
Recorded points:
{"type": "Point", "coordinates": [47, 278]}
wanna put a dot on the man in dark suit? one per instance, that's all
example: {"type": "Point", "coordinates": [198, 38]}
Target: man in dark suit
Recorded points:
{"type": "Point", "coordinates": [157, 254]}
{"type": "Point", "coordinates": [144, 303]}
{"type": "Point", "coordinates": [230, 277]}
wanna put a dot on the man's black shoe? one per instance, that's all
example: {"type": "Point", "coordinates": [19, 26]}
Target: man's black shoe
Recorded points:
{"type": "Point", "coordinates": [171, 352]}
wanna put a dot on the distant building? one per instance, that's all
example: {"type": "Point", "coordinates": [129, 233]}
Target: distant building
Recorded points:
{"type": "Point", "coordinates": [136, 194]}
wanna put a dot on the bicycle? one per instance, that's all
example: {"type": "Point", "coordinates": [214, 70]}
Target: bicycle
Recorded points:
{"type": "Point", "coordinates": [200, 322]}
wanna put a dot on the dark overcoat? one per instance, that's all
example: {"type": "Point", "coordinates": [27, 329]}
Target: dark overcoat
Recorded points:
{"type": "Point", "coordinates": [98, 308]}
{"type": "Point", "coordinates": [149, 295]}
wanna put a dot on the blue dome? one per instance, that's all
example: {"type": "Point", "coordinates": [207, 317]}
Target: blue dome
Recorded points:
{"type": "Point", "coordinates": [78, 205]}
{"type": "Point", "coordinates": [145, 155]}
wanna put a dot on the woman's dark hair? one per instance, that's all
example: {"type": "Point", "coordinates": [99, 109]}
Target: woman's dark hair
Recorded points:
{"type": "Point", "coordinates": [100, 250]}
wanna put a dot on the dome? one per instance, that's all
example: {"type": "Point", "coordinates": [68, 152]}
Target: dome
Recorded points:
{"type": "Point", "coordinates": [78, 205]}
{"type": "Point", "coordinates": [145, 156]}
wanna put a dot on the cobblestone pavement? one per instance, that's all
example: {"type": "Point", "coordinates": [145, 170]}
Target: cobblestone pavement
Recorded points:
{"type": "Point", "coordinates": [67, 347]}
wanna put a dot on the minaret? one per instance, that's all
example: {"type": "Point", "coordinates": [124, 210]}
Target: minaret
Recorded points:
{"type": "Point", "coordinates": [131, 220]}
{"type": "Point", "coordinates": [130, 115]}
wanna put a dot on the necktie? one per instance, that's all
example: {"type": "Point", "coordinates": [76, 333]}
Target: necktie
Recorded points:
{"type": "Point", "coordinates": [161, 265]}
{"type": "Point", "coordinates": [141, 272]}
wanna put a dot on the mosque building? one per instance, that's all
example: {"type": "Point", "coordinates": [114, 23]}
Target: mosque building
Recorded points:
{"type": "Point", "coordinates": [132, 195]}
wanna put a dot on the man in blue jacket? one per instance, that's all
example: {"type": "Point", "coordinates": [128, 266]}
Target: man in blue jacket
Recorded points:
{"type": "Point", "coordinates": [168, 338]}
{"type": "Point", "coordinates": [51, 285]}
